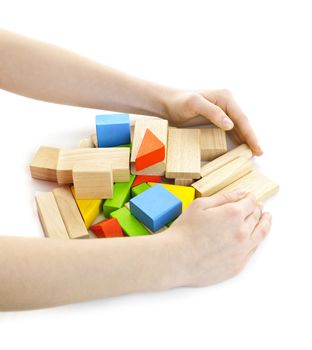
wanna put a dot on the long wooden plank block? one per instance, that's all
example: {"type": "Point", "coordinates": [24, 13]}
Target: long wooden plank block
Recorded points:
{"type": "Point", "coordinates": [212, 143]}
{"type": "Point", "coordinates": [44, 164]}
{"type": "Point", "coordinates": [183, 156]}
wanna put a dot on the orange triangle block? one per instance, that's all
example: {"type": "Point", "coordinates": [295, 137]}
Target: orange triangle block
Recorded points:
{"type": "Point", "coordinates": [151, 151]}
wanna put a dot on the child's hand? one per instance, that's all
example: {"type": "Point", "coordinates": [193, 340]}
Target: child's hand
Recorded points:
{"type": "Point", "coordinates": [218, 106]}
{"type": "Point", "coordinates": [214, 238]}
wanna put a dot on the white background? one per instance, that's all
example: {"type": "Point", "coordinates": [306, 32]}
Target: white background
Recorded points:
{"type": "Point", "coordinates": [261, 50]}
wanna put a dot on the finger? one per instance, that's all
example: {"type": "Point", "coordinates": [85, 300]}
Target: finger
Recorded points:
{"type": "Point", "coordinates": [247, 205]}
{"type": "Point", "coordinates": [220, 199]}
{"type": "Point", "coordinates": [261, 230]}
{"type": "Point", "coordinates": [252, 220]}
{"type": "Point", "coordinates": [251, 253]}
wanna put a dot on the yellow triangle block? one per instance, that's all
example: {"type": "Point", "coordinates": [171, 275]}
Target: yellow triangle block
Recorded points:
{"type": "Point", "coordinates": [185, 193]}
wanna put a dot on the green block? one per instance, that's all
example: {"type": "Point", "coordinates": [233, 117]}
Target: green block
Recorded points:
{"type": "Point", "coordinates": [129, 224]}
{"type": "Point", "coordinates": [121, 195]}
{"type": "Point", "coordinates": [139, 189]}
{"type": "Point", "coordinates": [126, 145]}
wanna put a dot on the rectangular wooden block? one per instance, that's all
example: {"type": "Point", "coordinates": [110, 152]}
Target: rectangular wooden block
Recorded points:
{"type": "Point", "coordinates": [183, 182]}
{"type": "Point", "coordinates": [94, 140]}
{"type": "Point", "coordinates": [139, 189]}
{"type": "Point", "coordinates": [212, 143]}
{"type": "Point", "coordinates": [256, 183]}
{"type": "Point", "coordinates": [118, 158]}
{"type": "Point", "coordinates": [50, 216]}
{"type": "Point", "coordinates": [108, 228]}
{"type": "Point", "coordinates": [70, 213]}
{"type": "Point", "coordinates": [222, 177]}
{"type": "Point", "coordinates": [139, 179]}
{"type": "Point", "coordinates": [44, 164]}
{"type": "Point", "coordinates": [183, 156]}
{"type": "Point", "coordinates": [159, 128]}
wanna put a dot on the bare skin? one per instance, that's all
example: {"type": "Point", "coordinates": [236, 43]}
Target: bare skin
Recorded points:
{"type": "Point", "coordinates": [210, 242]}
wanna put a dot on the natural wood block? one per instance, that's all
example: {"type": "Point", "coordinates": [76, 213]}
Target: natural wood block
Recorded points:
{"type": "Point", "coordinates": [183, 156]}
{"type": "Point", "coordinates": [222, 177]}
{"type": "Point", "coordinates": [117, 157]}
{"type": "Point", "coordinates": [86, 143]}
{"type": "Point", "coordinates": [93, 180]}
{"type": "Point", "coordinates": [240, 151]}
{"type": "Point", "coordinates": [212, 143]}
{"type": "Point", "coordinates": [159, 128]}
{"type": "Point", "coordinates": [183, 182]}
{"type": "Point", "coordinates": [70, 213]}
{"type": "Point", "coordinates": [50, 216]}
{"type": "Point", "coordinates": [108, 228]}
{"type": "Point", "coordinates": [44, 164]}
{"type": "Point", "coordinates": [94, 140]}
{"type": "Point", "coordinates": [254, 182]}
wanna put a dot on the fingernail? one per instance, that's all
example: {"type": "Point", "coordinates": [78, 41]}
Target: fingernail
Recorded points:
{"type": "Point", "coordinates": [228, 124]}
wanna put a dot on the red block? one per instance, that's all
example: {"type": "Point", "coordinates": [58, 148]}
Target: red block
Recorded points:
{"type": "Point", "coordinates": [151, 151]}
{"type": "Point", "coordinates": [107, 229]}
{"type": "Point", "coordinates": [139, 179]}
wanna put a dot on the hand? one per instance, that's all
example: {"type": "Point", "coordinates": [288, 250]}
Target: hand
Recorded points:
{"type": "Point", "coordinates": [217, 106]}
{"type": "Point", "coordinates": [214, 238]}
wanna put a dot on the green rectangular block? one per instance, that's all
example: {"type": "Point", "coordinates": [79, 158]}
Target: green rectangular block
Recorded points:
{"type": "Point", "coordinates": [139, 189]}
{"type": "Point", "coordinates": [129, 224]}
{"type": "Point", "coordinates": [126, 145]}
{"type": "Point", "coordinates": [121, 195]}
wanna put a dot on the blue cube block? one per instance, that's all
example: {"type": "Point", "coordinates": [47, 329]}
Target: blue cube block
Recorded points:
{"type": "Point", "coordinates": [155, 207]}
{"type": "Point", "coordinates": [112, 129]}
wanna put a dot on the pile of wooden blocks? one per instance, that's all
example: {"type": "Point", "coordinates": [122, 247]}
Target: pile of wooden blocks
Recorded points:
{"type": "Point", "coordinates": [137, 180]}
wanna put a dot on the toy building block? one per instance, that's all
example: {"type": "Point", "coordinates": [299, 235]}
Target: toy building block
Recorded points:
{"type": "Point", "coordinates": [121, 195]}
{"type": "Point", "coordinates": [159, 128]}
{"type": "Point", "coordinates": [50, 216]}
{"type": "Point", "coordinates": [118, 158]}
{"type": "Point", "coordinates": [183, 182]}
{"type": "Point", "coordinates": [70, 213]}
{"type": "Point", "coordinates": [112, 129]}
{"type": "Point", "coordinates": [139, 179]}
{"type": "Point", "coordinates": [44, 164]}
{"type": "Point", "coordinates": [183, 156]}
{"type": "Point", "coordinates": [86, 143]}
{"type": "Point", "coordinates": [139, 189]}
{"type": "Point", "coordinates": [155, 207]}
{"type": "Point", "coordinates": [131, 132]}
{"type": "Point", "coordinates": [89, 208]}
{"type": "Point", "coordinates": [151, 151]}
{"type": "Point", "coordinates": [93, 180]}
{"type": "Point", "coordinates": [129, 224]}
{"type": "Point", "coordinates": [107, 229]}
{"type": "Point", "coordinates": [186, 194]}
{"type": "Point", "coordinates": [94, 140]}
{"type": "Point", "coordinates": [212, 143]}
{"type": "Point", "coordinates": [222, 177]}
{"type": "Point", "coordinates": [240, 151]}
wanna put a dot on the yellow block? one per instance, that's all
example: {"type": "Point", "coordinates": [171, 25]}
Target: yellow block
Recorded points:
{"type": "Point", "coordinates": [89, 208]}
{"type": "Point", "coordinates": [185, 193]}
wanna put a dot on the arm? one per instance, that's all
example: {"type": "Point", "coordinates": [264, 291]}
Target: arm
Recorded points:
{"type": "Point", "coordinates": [46, 72]}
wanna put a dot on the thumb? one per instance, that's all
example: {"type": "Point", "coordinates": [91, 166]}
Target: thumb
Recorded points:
{"type": "Point", "coordinates": [217, 200]}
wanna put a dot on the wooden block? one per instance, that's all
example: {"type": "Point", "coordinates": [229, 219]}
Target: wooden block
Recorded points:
{"type": "Point", "coordinates": [183, 182]}
{"type": "Point", "coordinates": [118, 158]}
{"type": "Point", "coordinates": [89, 208]}
{"type": "Point", "coordinates": [93, 180]}
{"type": "Point", "coordinates": [44, 164]}
{"type": "Point", "coordinates": [70, 213]}
{"type": "Point", "coordinates": [129, 224]}
{"type": "Point", "coordinates": [240, 151]}
{"type": "Point", "coordinates": [183, 156]}
{"type": "Point", "coordinates": [94, 140]}
{"type": "Point", "coordinates": [151, 151]}
{"type": "Point", "coordinates": [186, 194]}
{"type": "Point", "coordinates": [139, 179]}
{"type": "Point", "coordinates": [256, 183]}
{"type": "Point", "coordinates": [139, 189]}
{"type": "Point", "coordinates": [86, 143]}
{"type": "Point", "coordinates": [212, 143]}
{"type": "Point", "coordinates": [222, 177]}
{"type": "Point", "coordinates": [50, 216]}
{"type": "Point", "coordinates": [159, 128]}
{"type": "Point", "coordinates": [108, 228]}
{"type": "Point", "coordinates": [113, 129]}
{"type": "Point", "coordinates": [121, 195]}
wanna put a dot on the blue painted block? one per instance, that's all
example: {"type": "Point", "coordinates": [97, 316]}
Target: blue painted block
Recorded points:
{"type": "Point", "coordinates": [113, 129]}
{"type": "Point", "coordinates": [155, 207]}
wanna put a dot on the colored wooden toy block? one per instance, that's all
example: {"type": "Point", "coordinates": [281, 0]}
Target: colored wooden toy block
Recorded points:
{"type": "Point", "coordinates": [107, 229]}
{"type": "Point", "coordinates": [139, 179]}
{"type": "Point", "coordinates": [50, 216]}
{"type": "Point", "coordinates": [183, 156]}
{"type": "Point", "coordinates": [159, 128]}
{"type": "Point", "coordinates": [89, 208]}
{"type": "Point", "coordinates": [212, 143]}
{"type": "Point", "coordinates": [70, 213]}
{"type": "Point", "coordinates": [151, 151]}
{"type": "Point", "coordinates": [186, 194]}
{"type": "Point", "coordinates": [155, 207]}
{"type": "Point", "coordinates": [118, 158]}
{"type": "Point", "coordinates": [112, 129]}
{"type": "Point", "coordinates": [93, 180]}
{"type": "Point", "coordinates": [129, 224]}
{"type": "Point", "coordinates": [121, 195]}
{"type": "Point", "coordinates": [222, 177]}
{"type": "Point", "coordinates": [139, 189]}
{"type": "Point", "coordinates": [44, 164]}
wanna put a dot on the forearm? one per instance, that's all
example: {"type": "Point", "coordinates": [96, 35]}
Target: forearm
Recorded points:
{"type": "Point", "coordinates": [38, 273]}
{"type": "Point", "coordinates": [38, 70]}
